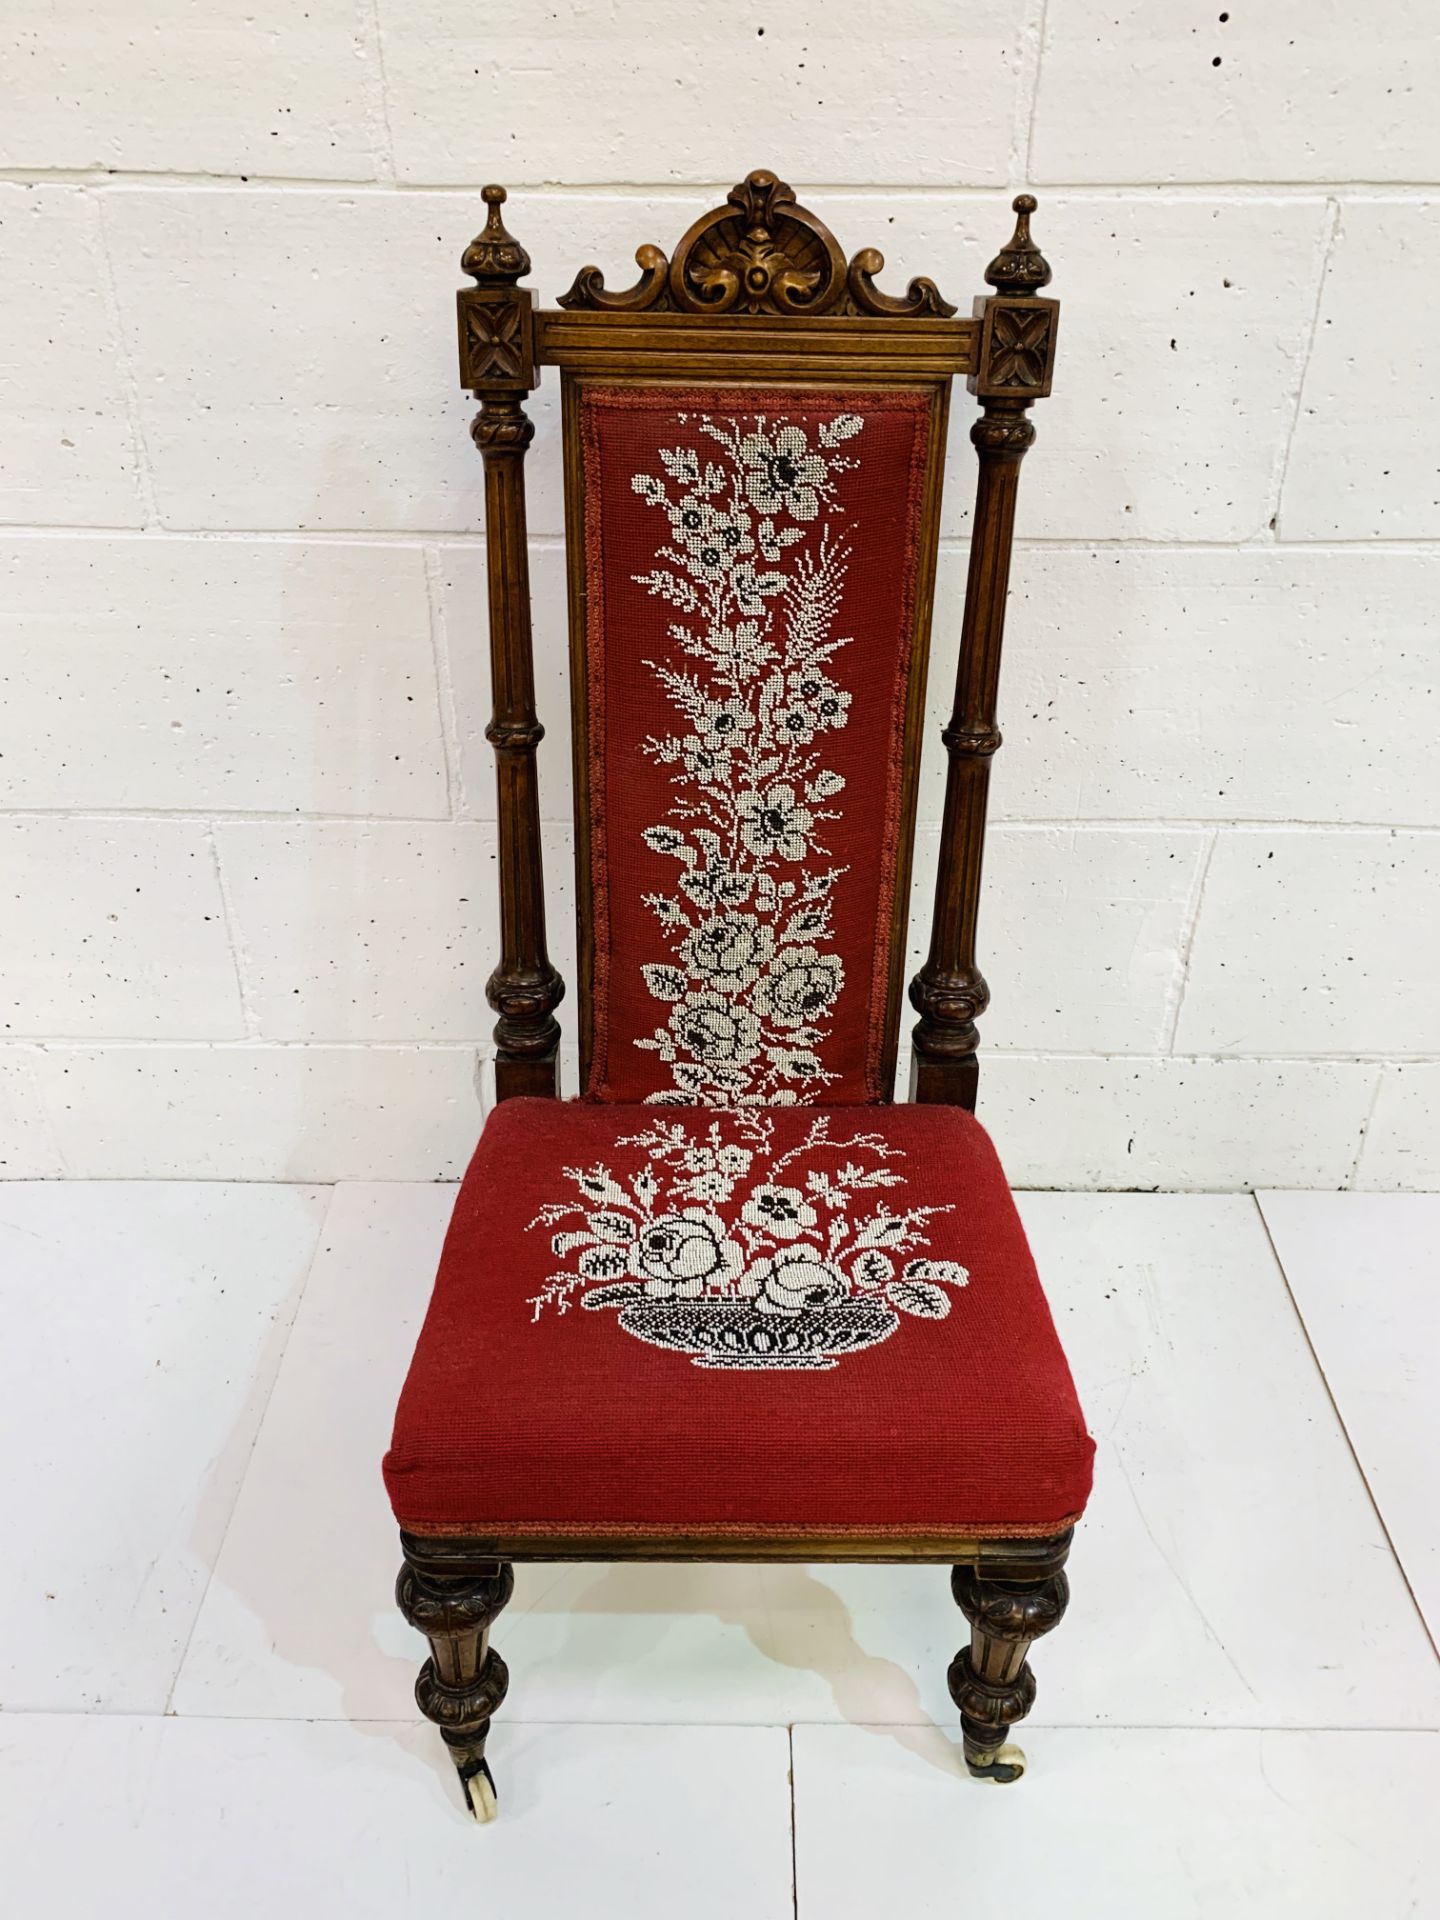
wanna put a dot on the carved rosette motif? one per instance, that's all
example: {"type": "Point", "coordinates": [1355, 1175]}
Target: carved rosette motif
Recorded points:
{"type": "Point", "coordinates": [496, 339]}
{"type": "Point", "coordinates": [762, 252]}
{"type": "Point", "coordinates": [1019, 347]}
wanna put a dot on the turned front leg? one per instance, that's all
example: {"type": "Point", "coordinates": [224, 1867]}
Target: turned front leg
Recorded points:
{"type": "Point", "coordinates": [990, 1680]}
{"type": "Point", "coordinates": [464, 1680]}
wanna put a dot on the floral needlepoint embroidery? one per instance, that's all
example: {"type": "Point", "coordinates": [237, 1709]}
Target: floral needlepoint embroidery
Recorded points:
{"type": "Point", "coordinates": [742, 1256]}
{"type": "Point", "coordinates": [749, 562]}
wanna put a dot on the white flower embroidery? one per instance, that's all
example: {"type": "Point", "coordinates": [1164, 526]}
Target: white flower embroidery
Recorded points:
{"type": "Point", "coordinates": [793, 1273]}
{"type": "Point", "coordinates": [749, 562]}
{"type": "Point", "coordinates": [794, 1279]}
{"type": "Point", "coordinates": [715, 886]}
{"type": "Point", "coordinates": [772, 824]}
{"type": "Point", "coordinates": [725, 723]}
{"type": "Point", "coordinates": [709, 1027]}
{"type": "Point", "coordinates": [680, 1254]}
{"type": "Point", "coordinates": [802, 986]}
{"type": "Point", "coordinates": [728, 951]}
{"type": "Point", "coordinates": [783, 1210]}
{"type": "Point", "coordinates": [782, 475]}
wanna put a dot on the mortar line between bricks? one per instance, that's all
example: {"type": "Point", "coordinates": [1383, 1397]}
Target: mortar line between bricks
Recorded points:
{"type": "Point", "coordinates": [134, 413]}
{"type": "Point", "coordinates": [1042, 21]}
{"type": "Point", "coordinates": [446, 713]}
{"type": "Point", "coordinates": [382, 92]}
{"type": "Point", "coordinates": [1125, 823]}
{"type": "Point", "coordinates": [484, 1048]}
{"type": "Point", "coordinates": [444, 537]}
{"type": "Point", "coordinates": [1121, 823]}
{"type": "Point", "coordinates": [257, 1043]}
{"type": "Point", "coordinates": [1329, 238]}
{"type": "Point", "coordinates": [120, 180]}
{"type": "Point", "coordinates": [248, 1011]}
{"type": "Point", "coordinates": [1022, 95]}
{"type": "Point", "coordinates": [1024, 823]}
{"type": "Point", "coordinates": [1355, 1165]}
{"type": "Point", "coordinates": [1187, 939]}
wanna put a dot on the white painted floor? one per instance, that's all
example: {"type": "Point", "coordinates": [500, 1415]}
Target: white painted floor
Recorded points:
{"type": "Point", "coordinates": [205, 1697]}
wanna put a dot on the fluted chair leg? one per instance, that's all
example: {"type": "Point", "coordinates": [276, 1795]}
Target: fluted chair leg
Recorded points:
{"type": "Point", "coordinates": [990, 1680]}
{"type": "Point", "coordinates": [464, 1680]}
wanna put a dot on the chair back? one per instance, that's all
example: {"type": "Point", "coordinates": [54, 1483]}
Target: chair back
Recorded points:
{"type": "Point", "coordinates": [754, 440]}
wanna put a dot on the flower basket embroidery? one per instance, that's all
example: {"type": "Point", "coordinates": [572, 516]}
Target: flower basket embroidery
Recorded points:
{"type": "Point", "coordinates": [749, 561]}
{"type": "Point", "coordinates": [742, 1256]}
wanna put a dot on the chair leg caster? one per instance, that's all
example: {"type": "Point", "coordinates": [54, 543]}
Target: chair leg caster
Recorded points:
{"type": "Point", "coordinates": [478, 1784]}
{"type": "Point", "coordinates": [1000, 1764]}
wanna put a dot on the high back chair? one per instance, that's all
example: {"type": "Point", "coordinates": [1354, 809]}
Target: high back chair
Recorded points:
{"type": "Point", "coordinates": [733, 1303]}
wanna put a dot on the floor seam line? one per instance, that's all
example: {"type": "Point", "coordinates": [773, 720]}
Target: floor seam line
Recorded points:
{"type": "Point", "coordinates": [330, 1188]}
{"type": "Point", "coordinates": [1428, 1732]}
{"type": "Point", "coordinates": [1370, 1493]}
{"type": "Point", "coordinates": [794, 1850]}
{"type": "Point", "coordinates": [280, 1722]}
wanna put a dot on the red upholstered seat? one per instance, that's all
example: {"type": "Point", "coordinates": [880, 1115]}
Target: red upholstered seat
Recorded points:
{"type": "Point", "coordinates": [788, 1320]}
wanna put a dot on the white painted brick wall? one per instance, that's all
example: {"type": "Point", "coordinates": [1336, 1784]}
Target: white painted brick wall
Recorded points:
{"type": "Point", "coordinates": [116, 927]}
{"type": "Point", "coordinates": [68, 452]}
{"type": "Point", "coordinates": [1362, 471]}
{"type": "Point", "coordinates": [214, 676]}
{"type": "Point", "coordinates": [246, 806]}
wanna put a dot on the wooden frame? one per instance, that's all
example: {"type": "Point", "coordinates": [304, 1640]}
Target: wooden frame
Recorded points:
{"type": "Point", "coordinates": [757, 289]}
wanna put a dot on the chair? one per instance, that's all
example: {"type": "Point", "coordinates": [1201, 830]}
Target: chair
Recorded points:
{"type": "Point", "coordinates": [733, 1303]}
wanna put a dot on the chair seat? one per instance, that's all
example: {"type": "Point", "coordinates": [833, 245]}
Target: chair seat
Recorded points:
{"type": "Point", "coordinates": [780, 1321]}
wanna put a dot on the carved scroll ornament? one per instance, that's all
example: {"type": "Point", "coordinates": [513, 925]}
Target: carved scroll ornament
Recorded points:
{"type": "Point", "coordinates": [761, 253]}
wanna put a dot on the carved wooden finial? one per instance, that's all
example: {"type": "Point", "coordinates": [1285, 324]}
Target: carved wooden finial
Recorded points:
{"type": "Point", "coordinates": [1019, 267]}
{"type": "Point", "coordinates": [494, 255]}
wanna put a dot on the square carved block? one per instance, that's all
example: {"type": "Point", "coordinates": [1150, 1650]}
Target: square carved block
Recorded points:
{"type": "Point", "coordinates": [497, 339]}
{"type": "Point", "coordinates": [1017, 348]}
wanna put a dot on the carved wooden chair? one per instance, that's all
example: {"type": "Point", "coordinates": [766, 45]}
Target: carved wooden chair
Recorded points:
{"type": "Point", "coordinates": [733, 1303]}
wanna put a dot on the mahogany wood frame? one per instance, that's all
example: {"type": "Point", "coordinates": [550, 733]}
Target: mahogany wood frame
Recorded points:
{"type": "Point", "coordinates": [757, 290]}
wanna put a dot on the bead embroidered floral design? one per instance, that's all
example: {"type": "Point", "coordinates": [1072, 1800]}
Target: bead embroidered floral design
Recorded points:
{"type": "Point", "coordinates": [750, 564]}
{"type": "Point", "coordinates": [724, 1247]}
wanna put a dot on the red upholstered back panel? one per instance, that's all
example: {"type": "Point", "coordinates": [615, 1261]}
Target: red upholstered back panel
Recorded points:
{"type": "Point", "coordinates": [751, 563]}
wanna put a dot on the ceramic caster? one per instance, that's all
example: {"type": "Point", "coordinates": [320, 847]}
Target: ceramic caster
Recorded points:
{"type": "Point", "coordinates": [1000, 1764]}
{"type": "Point", "coordinates": [480, 1794]}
